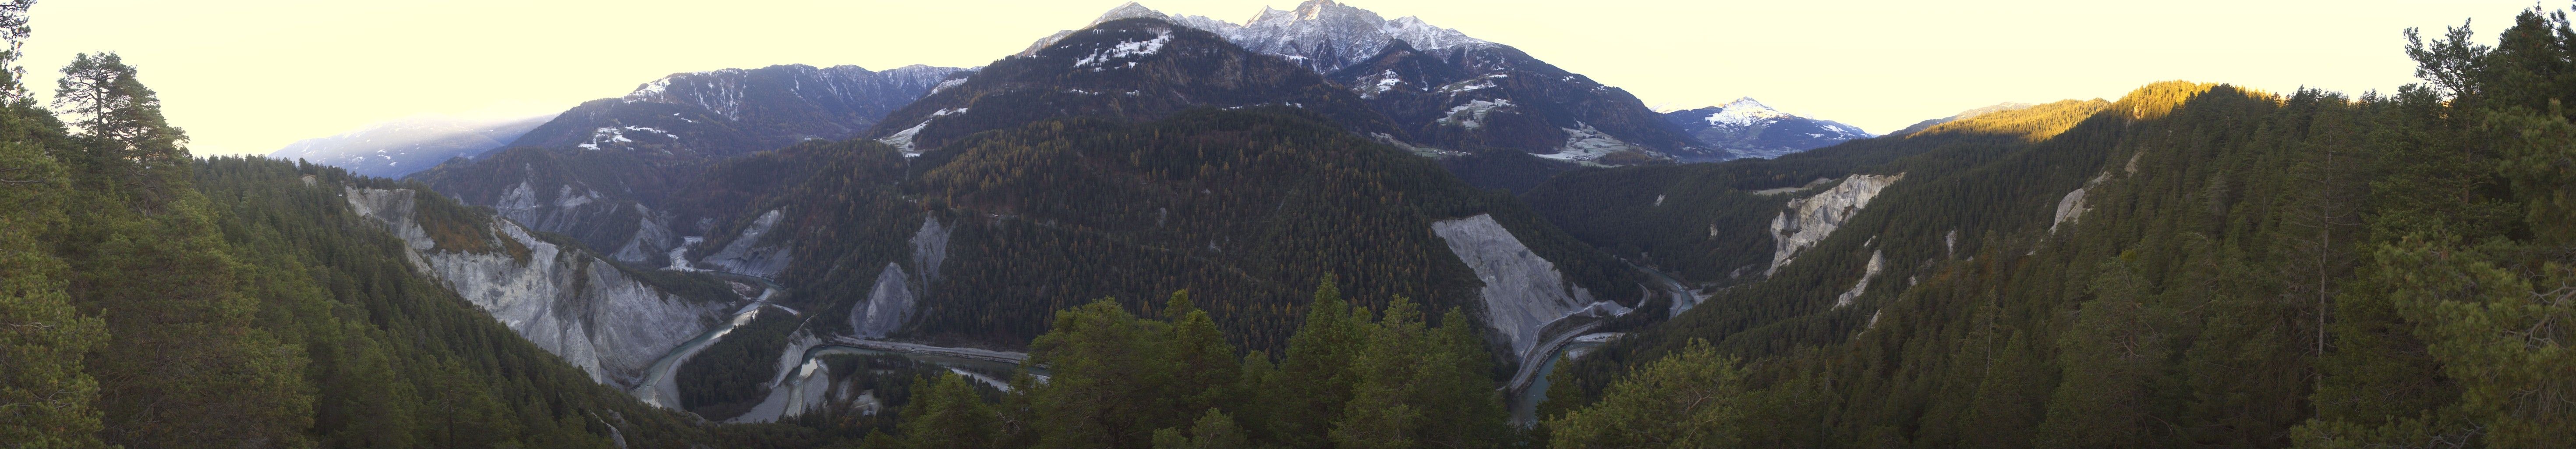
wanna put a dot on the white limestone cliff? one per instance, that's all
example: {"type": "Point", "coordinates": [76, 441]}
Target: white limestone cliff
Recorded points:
{"type": "Point", "coordinates": [751, 254]}
{"type": "Point", "coordinates": [566, 300]}
{"type": "Point", "coordinates": [2071, 207]}
{"type": "Point", "coordinates": [1809, 220]}
{"type": "Point", "coordinates": [1523, 294]}
{"type": "Point", "coordinates": [894, 299]}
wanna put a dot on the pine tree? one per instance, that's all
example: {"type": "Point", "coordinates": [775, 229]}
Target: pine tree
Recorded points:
{"type": "Point", "coordinates": [1213, 430]}
{"type": "Point", "coordinates": [122, 129]}
{"type": "Point", "coordinates": [1691, 399]}
{"type": "Point", "coordinates": [947, 413]}
{"type": "Point", "coordinates": [1108, 383]}
{"type": "Point", "coordinates": [1386, 409]}
{"type": "Point", "coordinates": [46, 399]}
{"type": "Point", "coordinates": [1204, 366]}
{"type": "Point", "coordinates": [2111, 358]}
{"type": "Point", "coordinates": [1315, 379]}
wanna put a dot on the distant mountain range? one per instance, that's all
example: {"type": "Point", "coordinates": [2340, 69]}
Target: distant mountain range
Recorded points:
{"type": "Point", "coordinates": [734, 111]}
{"type": "Point", "coordinates": [600, 171]}
{"type": "Point", "coordinates": [401, 147]}
{"type": "Point", "coordinates": [817, 176]}
{"type": "Point", "coordinates": [1450, 91]}
{"type": "Point", "coordinates": [1749, 128]}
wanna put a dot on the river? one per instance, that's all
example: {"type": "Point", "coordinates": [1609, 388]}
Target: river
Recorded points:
{"type": "Point", "coordinates": [1524, 402]}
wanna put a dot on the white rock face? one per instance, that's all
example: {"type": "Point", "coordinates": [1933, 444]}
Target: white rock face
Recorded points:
{"type": "Point", "coordinates": [1876, 264]}
{"type": "Point", "coordinates": [651, 240]}
{"type": "Point", "coordinates": [566, 300]}
{"type": "Point", "coordinates": [889, 304]}
{"type": "Point", "coordinates": [749, 255]}
{"type": "Point", "coordinates": [2071, 207]}
{"type": "Point", "coordinates": [790, 385]}
{"type": "Point", "coordinates": [1810, 219]}
{"type": "Point", "coordinates": [1523, 293]}
{"type": "Point", "coordinates": [892, 302]}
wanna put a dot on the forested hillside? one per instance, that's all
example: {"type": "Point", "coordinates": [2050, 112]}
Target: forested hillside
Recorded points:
{"type": "Point", "coordinates": [155, 301]}
{"type": "Point", "coordinates": [2194, 265]}
{"type": "Point", "coordinates": [1242, 205]}
{"type": "Point", "coordinates": [1201, 246]}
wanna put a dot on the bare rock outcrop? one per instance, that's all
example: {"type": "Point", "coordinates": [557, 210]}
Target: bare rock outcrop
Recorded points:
{"type": "Point", "coordinates": [566, 300]}
{"type": "Point", "coordinates": [1524, 294]}
{"type": "Point", "coordinates": [1809, 220]}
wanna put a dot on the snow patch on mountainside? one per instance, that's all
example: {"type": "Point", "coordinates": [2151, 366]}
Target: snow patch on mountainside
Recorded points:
{"type": "Point", "coordinates": [1472, 114]}
{"type": "Point", "coordinates": [1586, 144]}
{"type": "Point", "coordinates": [612, 136]}
{"type": "Point", "coordinates": [1106, 58]}
{"type": "Point", "coordinates": [1319, 34]}
{"type": "Point", "coordinates": [903, 140]}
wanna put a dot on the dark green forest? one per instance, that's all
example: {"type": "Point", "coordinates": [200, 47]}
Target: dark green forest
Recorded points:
{"type": "Point", "coordinates": [2247, 269]}
{"type": "Point", "coordinates": [2252, 270]}
{"type": "Point", "coordinates": [1249, 205]}
{"type": "Point", "coordinates": [157, 301]}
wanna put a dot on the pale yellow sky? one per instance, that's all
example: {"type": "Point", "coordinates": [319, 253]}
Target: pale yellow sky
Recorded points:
{"type": "Point", "coordinates": [250, 76]}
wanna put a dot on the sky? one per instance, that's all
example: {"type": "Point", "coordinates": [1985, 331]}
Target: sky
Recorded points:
{"type": "Point", "coordinates": [251, 76]}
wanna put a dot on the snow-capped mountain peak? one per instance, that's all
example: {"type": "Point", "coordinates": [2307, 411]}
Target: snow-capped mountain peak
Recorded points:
{"type": "Point", "coordinates": [1321, 34]}
{"type": "Point", "coordinates": [1750, 128]}
{"type": "Point", "coordinates": [1129, 11]}
{"type": "Point", "coordinates": [1744, 112]}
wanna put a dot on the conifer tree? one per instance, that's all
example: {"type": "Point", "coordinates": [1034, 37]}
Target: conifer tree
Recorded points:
{"type": "Point", "coordinates": [1204, 367]}
{"type": "Point", "coordinates": [1315, 379]}
{"type": "Point", "coordinates": [1690, 399]}
{"type": "Point", "coordinates": [121, 128]}
{"type": "Point", "coordinates": [45, 396]}
{"type": "Point", "coordinates": [1213, 430]}
{"type": "Point", "coordinates": [947, 413]}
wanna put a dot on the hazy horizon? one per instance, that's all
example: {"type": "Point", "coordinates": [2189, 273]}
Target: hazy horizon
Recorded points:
{"type": "Point", "coordinates": [252, 77]}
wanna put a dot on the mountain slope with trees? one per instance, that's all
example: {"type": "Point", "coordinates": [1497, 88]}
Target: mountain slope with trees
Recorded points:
{"type": "Point", "coordinates": [2224, 267]}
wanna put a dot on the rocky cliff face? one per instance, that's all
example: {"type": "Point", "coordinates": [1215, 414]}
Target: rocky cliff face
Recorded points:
{"type": "Point", "coordinates": [1877, 263]}
{"type": "Point", "coordinates": [566, 300]}
{"type": "Point", "coordinates": [2071, 207]}
{"type": "Point", "coordinates": [891, 304]}
{"type": "Point", "coordinates": [1525, 298]}
{"type": "Point", "coordinates": [1811, 219]}
{"type": "Point", "coordinates": [751, 254]}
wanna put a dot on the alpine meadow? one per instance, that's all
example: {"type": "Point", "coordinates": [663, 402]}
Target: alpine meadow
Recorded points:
{"type": "Point", "coordinates": [1314, 228]}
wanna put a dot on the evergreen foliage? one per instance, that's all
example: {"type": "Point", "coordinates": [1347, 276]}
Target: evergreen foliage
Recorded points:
{"type": "Point", "coordinates": [2248, 270]}
{"type": "Point", "coordinates": [1117, 380]}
